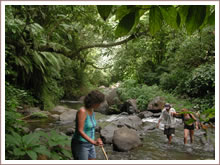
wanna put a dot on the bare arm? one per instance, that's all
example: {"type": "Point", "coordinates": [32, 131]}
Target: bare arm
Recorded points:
{"type": "Point", "coordinates": [194, 118]}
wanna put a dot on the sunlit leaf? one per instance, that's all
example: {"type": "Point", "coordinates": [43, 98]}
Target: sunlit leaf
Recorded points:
{"type": "Point", "coordinates": [32, 155]}
{"type": "Point", "coordinates": [170, 15]}
{"type": "Point", "coordinates": [155, 20]}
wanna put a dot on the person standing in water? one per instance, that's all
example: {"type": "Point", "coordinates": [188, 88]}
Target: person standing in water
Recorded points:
{"type": "Point", "coordinates": [83, 141]}
{"type": "Point", "coordinates": [169, 121]}
{"type": "Point", "coordinates": [188, 126]}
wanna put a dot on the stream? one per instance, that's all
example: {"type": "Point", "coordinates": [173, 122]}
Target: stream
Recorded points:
{"type": "Point", "coordinates": [154, 146]}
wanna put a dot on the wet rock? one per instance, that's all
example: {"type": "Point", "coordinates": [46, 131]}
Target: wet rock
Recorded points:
{"type": "Point", "coordinates": [157, 114]}
{"type": "Point", "coordinates": [108, 132]}
{"type": "Point", "coordinates": [69, 131]}
{"type": "Point", "coordinates": [38, 129]}
{"type": "Point", "coordinates": [55, 116]}
{"type": "Point", "coordinates": [32, 110]}
{"type": "Point", "coordinates": [59, 109]}
{"type": "Point", "coordinates": [112, 97]}
{"type": "Point", "coordinates": [68, 116]}
{"type": "Point", "coordinates": [145, 114]}
{"type": "Point", "coordinates": [130, 106]}
{"type": "Point", "coordinates": [26, 130]}
{"type": "Point", "coordinates": [103, 108]}
{"type": "Point", "coordinates": [156, 105]}
{"type": "Point", "coordinates": [133, 122]}
{"type": "Point", "coordinates": [125, 139]}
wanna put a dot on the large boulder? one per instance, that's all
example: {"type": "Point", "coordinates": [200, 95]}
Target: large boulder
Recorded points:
{"type": "Point", "coordinates": [130, 106]}
{"type": "Point", "coordinates": [125, 139]}
{"type": "Point", "coordinates": [112, 97]}
{"type": "Point", "coordinates": [107, 133]}
{"type": "Point", "coordinates": [133, 122]}
{"type": "Point", "coordinates": [103, 108]}
{"type": "Point", "coordinates": [59, 109]}
{"type": "Point", "coordinates": [156, 105]}
{"type": "Point", "coordinates": [68, 116]}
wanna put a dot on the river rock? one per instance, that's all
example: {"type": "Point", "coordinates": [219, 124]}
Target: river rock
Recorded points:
{"type": "Point", "coordinates": [103, 108]}
{"type": "Point", "coordinates": [125, 139]}
{"type": "Point", "coordinates": [157, 114]}
{"type": "Point", "coordinates": [59, 109]}
{"type": "Point", "coordinates": [130, 106]}
{"type": "Point", "coordinates": [156, 105]}
{"type": "Point", "coordinates": [145, 114]}
{"type": "Point", "coordinates": [112, 97]}
{"type": "Point", "coordinates": [32, 110]}
{"type": "Point", "coordinates": [129, 121]}
{"type": "Point", "coordinates": [108, 132]}
{"type": "Point", "coordinates": [55, 116]}
{"type": "Point", "coordinates": [68, 116]}
{"type": "Point", "coordinates": [69, 131]}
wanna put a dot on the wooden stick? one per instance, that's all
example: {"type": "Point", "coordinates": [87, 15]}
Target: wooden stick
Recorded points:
{"type": "Point", "coordinates": [103, 150]}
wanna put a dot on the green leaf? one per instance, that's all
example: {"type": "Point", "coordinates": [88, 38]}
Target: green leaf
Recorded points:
{"type": "Point", "coordinates": [66, 153]}
{"type": "Point", "coordinates": [18, 152]}
{"type": "Point", "coordinates": [55, 156]}
{"type": "Point", "coordinates": [32, 155]}
{"type": "Point", "coordinates": [170, 15]}
{"type": "Point", "coordinates": [104, 11]}
{"type": "Point", "coordinates": [51, 143]}
{"type": "Point", "coordinates": [125, 25]}
{"type": "Point", "coordinates": [42, 150]}
{"type": "Point", "coordinates": [122, 11]}
{"type": "Point", "coordinates": [183, 11]}
{"type": "Point", "coordinates": [155, 20]}
{"type": "Point", "coordinates": [196, 16]}
{"type": "Point", "coordinates": [211, 19]}
{"type": "Point", "coordinates": [32, 138]}
{"type": "Point", "coordinates": [17, 137]}
{"type": "Point", "coordinates": [11, 140]}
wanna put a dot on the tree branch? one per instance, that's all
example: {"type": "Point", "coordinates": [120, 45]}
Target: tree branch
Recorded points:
{"type": "Point", "coordinates": [101, 45]}
{"type": "Point", "coordinates": [89, 63]}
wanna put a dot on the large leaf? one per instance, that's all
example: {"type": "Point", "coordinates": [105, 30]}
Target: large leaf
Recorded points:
{"type": "Point", "coordinates": [104, 11]}
{"type": "Point", "coordinates": [18, 152]}
{"type": "Point", "coordinates": [195, 17]}
{"type": "Point", "coordinates": [125, 25]}
{"type": "Point", "coordinates": [122, 11]}
{"type": "Point", "coordinates": [183, 11]}
{"type": "Point", "coordinates": [211, 19]}
{"type": "Point", "coordinates": [32, 155]}
{"type": "Point", "coordinates": [170, 15]}
{"type": "Point", "coordinates": [29, 139]}
{"type": "Point", "coordinates": [42, 150]}
{"type": "Point", "coordinates": [11, 140]}
{"type": "Point", "coordinates": [155, 19]}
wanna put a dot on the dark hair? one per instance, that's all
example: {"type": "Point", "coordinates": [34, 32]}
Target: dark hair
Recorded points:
{"type": "Point", "coordinates": [94, 97]}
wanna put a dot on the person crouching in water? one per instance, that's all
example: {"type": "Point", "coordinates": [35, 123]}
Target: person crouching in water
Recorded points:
{"type": "Point", "coordinates": [83, 140]}
{"type": "Point", "coordinates": [189, 126]}
{"type": "Point", "coordinates": [169, 120]}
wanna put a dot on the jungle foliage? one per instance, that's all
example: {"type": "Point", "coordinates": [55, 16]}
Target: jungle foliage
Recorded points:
{"type": "Point", "coordinates": [62, 52]}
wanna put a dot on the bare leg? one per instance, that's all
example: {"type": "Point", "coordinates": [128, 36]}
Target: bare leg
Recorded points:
{"type": "Point", "coordinates": [169, 137]}
{"type": "Point", "coordinates": [191, 136]}
{"type": "Point", "coordinates": [186, 131]}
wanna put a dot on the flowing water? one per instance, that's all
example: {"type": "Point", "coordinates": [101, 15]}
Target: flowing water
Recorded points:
{"type": "Point", "coordinates": [155, 146]}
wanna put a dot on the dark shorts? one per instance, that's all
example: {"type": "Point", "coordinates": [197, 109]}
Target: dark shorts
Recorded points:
{"type": "Point", "coordinates": [169, 131]}
{"type": "Point", "coordinates": [189, 127]}
{"type": "Point", "coordinates": [82, 150]}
